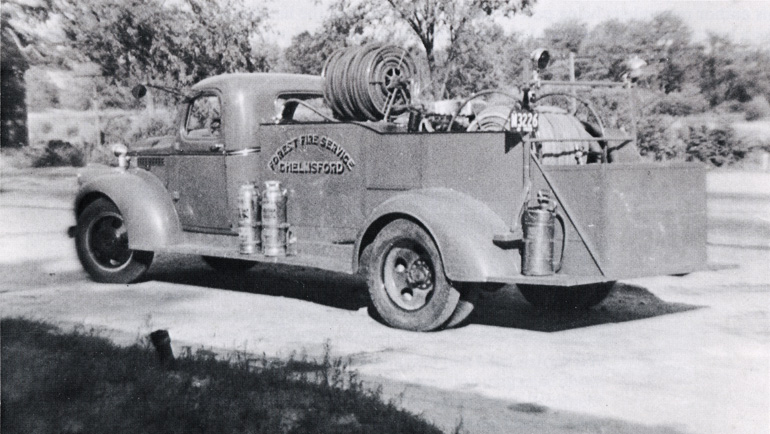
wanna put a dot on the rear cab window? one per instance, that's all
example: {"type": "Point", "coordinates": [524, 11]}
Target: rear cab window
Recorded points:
{"type": "Point", "coordinates": [301, 108]}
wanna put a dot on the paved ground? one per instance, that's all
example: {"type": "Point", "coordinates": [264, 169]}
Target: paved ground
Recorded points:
{"type": "Point", "coordinates": [668, 354]}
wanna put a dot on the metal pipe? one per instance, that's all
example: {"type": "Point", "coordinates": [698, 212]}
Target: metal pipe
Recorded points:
{"type": "Point", "coordinates": [526, 187]}
{"type": "Point", "coordinates": [583, 83]}
{"type": "Point", "coordinates": [583, 139]}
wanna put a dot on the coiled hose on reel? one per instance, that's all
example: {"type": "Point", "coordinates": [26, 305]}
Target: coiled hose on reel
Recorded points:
{"type": "Point", "coordinates": [369, 83]}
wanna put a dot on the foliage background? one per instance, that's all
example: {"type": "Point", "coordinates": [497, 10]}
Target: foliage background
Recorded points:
{"type": "Point", "coordinates": [696, 99]}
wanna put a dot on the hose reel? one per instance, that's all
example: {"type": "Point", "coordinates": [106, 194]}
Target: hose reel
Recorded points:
{"type": "Point", "coordinates": [369, 83]}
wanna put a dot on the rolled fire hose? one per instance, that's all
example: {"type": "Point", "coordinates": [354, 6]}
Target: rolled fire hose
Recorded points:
{"type": "Point", "coordinates": [369, 83]}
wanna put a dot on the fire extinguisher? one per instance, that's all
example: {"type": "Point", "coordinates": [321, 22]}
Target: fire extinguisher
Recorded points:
{"type": "Point", "coordinates": [248, 216]}
{"type": "Point", "coordinates": [275, 228]}
{"type": "Point", "coordinates": [537, 258]}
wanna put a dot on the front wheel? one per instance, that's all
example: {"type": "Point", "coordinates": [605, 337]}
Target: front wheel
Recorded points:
{"type": "Point", "coordinates": [101, 240]}
{"type": "Point", "coordinates": [406, 280]}
{"type": "Point", "coordinates": [561, 299]}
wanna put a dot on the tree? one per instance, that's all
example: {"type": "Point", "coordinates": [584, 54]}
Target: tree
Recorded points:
{"type": "Point", "coordinates": [22, 43]}
{"type": "Point", "coordinates": [664, 42]}
{"type": "Point", "coordinates": [13, 109]}
{"type": "Point", "coordinates": [561, 39]}
{"type": "Point", "coordinates": [565, 37]}
{"type": "Point", "coordinates": [165, 43]}
{"type": "Point", "coordinates": [485, 58]}
{"type": "Point", "coordinates": [42, 93]}
{"type": "Point", "coordinates": [436, 25]}
{"type": "Point", "coordinates": [733, 72]}
{"type": "Point", "coordinates": [224, 36]}
{"type": "Point", "coordinates": [308, 52]}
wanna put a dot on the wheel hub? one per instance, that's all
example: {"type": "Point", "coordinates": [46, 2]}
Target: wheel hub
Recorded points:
{"type": "Point", "coordinates": [408, 278]}
{"type": "Point", "coordinates": [419, 275]}
{"type": "Point", "coordinates": [109, 241]}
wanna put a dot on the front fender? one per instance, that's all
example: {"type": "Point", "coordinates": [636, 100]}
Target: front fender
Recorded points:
{"type": "Point", "coordinates": [150, 216]}
{"type": "Point", "coordinates": [461, 226]}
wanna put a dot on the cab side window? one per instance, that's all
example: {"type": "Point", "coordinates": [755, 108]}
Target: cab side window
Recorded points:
{"type": "Point", "coordinates": [204, 118]}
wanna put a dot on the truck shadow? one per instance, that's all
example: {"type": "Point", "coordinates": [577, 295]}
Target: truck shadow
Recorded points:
{"type": "Point", "coordinates": [508, 308]}
{"type": "Point", "coordinates": [503, 308]}
{"type": "Point", "coordinates": [338, 290]}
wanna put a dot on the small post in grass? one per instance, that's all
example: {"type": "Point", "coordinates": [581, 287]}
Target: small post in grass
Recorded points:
{"type": "Point", "coordinates": [162, 342]}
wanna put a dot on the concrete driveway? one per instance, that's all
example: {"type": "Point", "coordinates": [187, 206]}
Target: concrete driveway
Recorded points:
{"type": "Point", "coordinates": [666, 354]}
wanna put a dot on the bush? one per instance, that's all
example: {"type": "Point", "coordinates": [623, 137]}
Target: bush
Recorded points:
{"type": "Point", "coordinates": [72, 131]}
{"type": "Point", "coordinates": [614, 106]}
{"type": "Point", "coordinates": [60, 153]}
{"type": "Point", "coordinates": [655, 138]}
{"type": "Point", "coordinates": [681, 104]}
{"type": "Point", "coordinates": [757, 108]}
{"type": "Point", "coordinates": [714, 144]}
{"type": "Point", "coordinates": [140, 125]}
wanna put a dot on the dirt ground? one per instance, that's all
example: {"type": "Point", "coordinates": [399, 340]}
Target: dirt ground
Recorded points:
{"type": "Point", "coordinates": [684, 354]}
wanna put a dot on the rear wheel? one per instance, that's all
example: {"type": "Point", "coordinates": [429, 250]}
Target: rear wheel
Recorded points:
{"type": "Point", "coordinates": [228, 265]}
{"type": "Point", "coordinates": [406, 280]}
{"type": "Point", "coordinates": [101, 240]}
{"type": "Point", "coordinates": [469, 297]}
{"type": "Point", "coordinates": [561, 299]}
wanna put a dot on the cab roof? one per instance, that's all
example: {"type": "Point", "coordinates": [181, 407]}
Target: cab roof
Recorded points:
{"type": "Point", "coordinates": [261, 82]}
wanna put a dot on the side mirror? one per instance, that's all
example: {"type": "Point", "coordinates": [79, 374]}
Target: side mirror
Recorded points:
{"type": "Point", "coordinates": [139, 91]}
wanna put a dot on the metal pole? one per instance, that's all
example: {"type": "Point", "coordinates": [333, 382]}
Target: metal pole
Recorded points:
{"type": "Point", "coordinates": [95, 106]}
{"type": "Point", "coordinates": [572, 102]}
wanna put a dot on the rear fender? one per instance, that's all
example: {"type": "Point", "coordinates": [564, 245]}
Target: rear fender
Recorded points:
{"type": "Point", "coordinates": [144, 202]}
{"type": "Point", "coordinates": [461, 226]}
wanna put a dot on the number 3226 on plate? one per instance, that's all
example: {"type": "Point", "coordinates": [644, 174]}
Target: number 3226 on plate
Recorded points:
{"type": "Point", "coordinates": [525, 122]}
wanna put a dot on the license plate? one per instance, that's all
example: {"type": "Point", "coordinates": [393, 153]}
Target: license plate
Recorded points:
{"type": "Point", "coordinates": [525, 122]}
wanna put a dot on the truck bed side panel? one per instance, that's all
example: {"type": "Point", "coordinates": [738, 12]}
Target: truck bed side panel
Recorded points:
{"type": "Point", "coordinates": [640, 219]}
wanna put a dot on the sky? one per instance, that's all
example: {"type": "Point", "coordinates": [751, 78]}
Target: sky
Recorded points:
{"type": "Point", "coordinates": [743, 20]}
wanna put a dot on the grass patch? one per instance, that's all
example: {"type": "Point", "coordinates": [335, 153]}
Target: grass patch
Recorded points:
{"type": "Point", "coordinates": [78, 382]}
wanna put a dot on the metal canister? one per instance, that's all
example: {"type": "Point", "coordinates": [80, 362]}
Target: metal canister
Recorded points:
{"type": "Point", "coordinates": [539, 224]}
{"type": "Point", "coordinates": [248, 206]}
{"type": "Point", "coordinates": [274, 225]}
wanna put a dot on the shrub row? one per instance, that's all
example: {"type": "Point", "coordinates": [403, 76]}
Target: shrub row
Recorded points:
{"type": "Point", "coordinates": [663, 137]}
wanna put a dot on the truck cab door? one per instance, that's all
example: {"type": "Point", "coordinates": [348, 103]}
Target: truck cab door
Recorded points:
{"type": "Point", "coordinates": [199, 183]}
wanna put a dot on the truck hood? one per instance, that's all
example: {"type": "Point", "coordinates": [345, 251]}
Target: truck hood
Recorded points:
{"type": "Point", "coordinates": [162, 145]}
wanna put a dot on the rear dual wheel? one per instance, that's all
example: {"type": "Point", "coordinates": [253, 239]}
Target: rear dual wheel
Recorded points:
{"type": "Point", "coordinates": [565, 299]}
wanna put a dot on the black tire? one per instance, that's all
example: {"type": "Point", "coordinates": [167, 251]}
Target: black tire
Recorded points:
{"type": "Point", "coordinates": [405, 275]}
{"type": "Point", "coordinates": [564, 299]}
{"type": "Point", "coordinates": [101, 240]}
{"type": "Point", "coordinates": [469, 297]}
{"type": "Point", "coordinates": [228, 265]}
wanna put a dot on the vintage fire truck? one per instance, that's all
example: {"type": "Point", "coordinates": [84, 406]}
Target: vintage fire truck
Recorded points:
{"type": "Point", "coordinates": [344, 172]}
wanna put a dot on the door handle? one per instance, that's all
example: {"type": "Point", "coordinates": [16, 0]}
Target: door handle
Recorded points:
{"type": "Point", "coordinates": [217, 147]}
